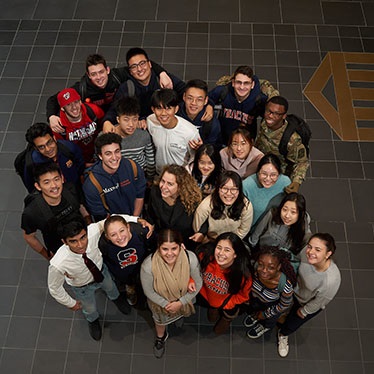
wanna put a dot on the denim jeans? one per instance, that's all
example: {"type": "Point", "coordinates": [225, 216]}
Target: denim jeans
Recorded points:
{"type": "Point", "coordinates": [86, 294]}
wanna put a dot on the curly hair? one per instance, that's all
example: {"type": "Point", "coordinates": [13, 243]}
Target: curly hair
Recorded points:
{"type": "Point", "coordinates": [188, 190]}
{"type": "Point", "coordinates": [283, 257]}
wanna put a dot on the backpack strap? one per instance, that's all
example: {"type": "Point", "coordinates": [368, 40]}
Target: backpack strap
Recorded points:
{"type": "Point", "coordinates": [130, 88]}
{"type": "Point", "coordinates": [99, 188]}
{"type": "Point", "coordinates": [83, 87]}
{"type": "Point", "coordinates": [90, 113]}
{"type": "Point", "coordinates": [66, 151]}
{"type": "Point", "coordinates": [282, 282]}
{"type": "Point", "coordinates": [116, 77]}
{"type": "Point", "coordinates": [134, 168]}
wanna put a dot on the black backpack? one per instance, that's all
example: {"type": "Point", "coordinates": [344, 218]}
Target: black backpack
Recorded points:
{"type": "Point", "coordinates": [295, 124]}
{"type": "Point", "coordinates": [83, 85]}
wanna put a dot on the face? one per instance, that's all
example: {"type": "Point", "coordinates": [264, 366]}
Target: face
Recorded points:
{"type": "Point", "coordinates": [118, 233]}
{"type": "Point", "coordinates": [46, 145]}
{"type": "Point", "coordinates": [194, 99]}
{"type": "Point", "coordinates": [50, 185]}
{"type": "Point", "coordinates": [240, 146]}
{"type": "Point", "coordinates": [268, 175]}
{"type": "Point", "coordinates": [289, 213]}
{"type": "Point", "coordinates": [275, 115]}
{"type": "Point", "coordinates": [98, 75]}
{"type": "Point", "coordinates": [168, 186]}
{"type": "Point", "coordinates": [78, 243]}
{"type": "Point", "coordinates": [242, 86]}
{"type": "Point", "coordinates": [140, 69]}
{"type": "Point", "coordinates": [111, 157]}
{"type": "Point", "coordinates": [228, 193]}
{"type": "Point", "coordinates": [224, 254]}
{"type": "Point", "coordinates": [166, 116]}
{"type": "Point", "coordinates": [267, 267]}
{"type": "Point", "coordinates": [206, 165]}
{"type": "Point", "coordinates": [317, 252]}
{"type": "Point", "coordinates": [73, 110]}
{"type": "Point", "coordinates": [169, 252]}
{"type": "Point", "coordinates": [128, 123]}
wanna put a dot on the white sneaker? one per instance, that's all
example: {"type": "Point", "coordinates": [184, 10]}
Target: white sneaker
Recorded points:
{"type": "Point", "coordinates": [283, 346]}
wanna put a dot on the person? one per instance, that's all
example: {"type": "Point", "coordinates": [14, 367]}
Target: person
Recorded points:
{"type": "Point", "coordinates": [242, 102]}
{"type": "Point", "coordinates": [79, 263]}
{"type": "Point", "coordinates": [286, 226]}
{"type": "Point", "coordinates": [265, 189]}
{"type": "Point", "coordinates": [175, 139]}
{"type": "Point", "coordinates": [226, 209]}
{"type": "Point", "coordinates": [295, 164]}
{"type": "Point", "coordinates": [53, 204]}
{"type": "Point", "coordinates": [67, 155]}
{"type": "Point", "coordinates": [81, 122]}
{"type": "Point", "coordinates": [173, 201]}
{"type": "Point", "coordinates": [272, 289]}
{"type": "Point", "coordinates": [171, 279]}
{"type": "Point", "coordinates": [115, 185]}
{"type": "Point", "coordinates": [227, 281]}
{"type": "Point", "coordinates": [193, 107]}
{"type": "Point", "coordinates": [124, 247]}
{"type": "Point", "coordinates": [240, 155]}
{"type": "Point", "coordinates": [98, 86]}
{"type": "Point", "coordinates": [317, 284]}
{"type": "Point", "coordinates": [205, 168]}
{"type": "Point", "coordinates": [136, 144]}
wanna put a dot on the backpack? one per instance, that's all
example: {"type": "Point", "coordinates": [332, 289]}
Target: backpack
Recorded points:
{"type": "Point", "coordinates": [83, 85]}
{"type": "Point", "coordinates": [99, 187]}
{"type": "Point", "coordinates": [295, 124]}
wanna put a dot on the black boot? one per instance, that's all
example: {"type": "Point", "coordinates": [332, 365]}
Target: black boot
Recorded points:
{"type": "Point", "coordinates": [95, 329]}
{"type": "Point", "coordinates": [122, 304]}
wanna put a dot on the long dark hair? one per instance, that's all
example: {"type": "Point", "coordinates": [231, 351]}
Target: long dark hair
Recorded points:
{"type": "Point", "coordinates": [235, 211]}
{"type": "Point", "coordinates": [296, 232]}
{"type": "Point", "coordinates": [241, 266]}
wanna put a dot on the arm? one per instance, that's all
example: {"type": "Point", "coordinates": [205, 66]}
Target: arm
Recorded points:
{"type": "Point", "coordinates": [284, 303]}
{"type": "Point", "coordinates": [261, 227]}
{"type": "Point", "coordinates": [202, 213]}
{"type": "Point", "coordinates": [298, 156]}
{"type": "Point", "coordinates": [246, 219]}
{"type": "Point", "coordinates": [138, 206]}
{"type": "Point", "coordinates": [93, 200]}
{"type": "Point", "coordinates": [36, 245]}
{"type": "Point", "coordinates": [56, 281]}
{"type": "Point", "coordinates": [242, 296]}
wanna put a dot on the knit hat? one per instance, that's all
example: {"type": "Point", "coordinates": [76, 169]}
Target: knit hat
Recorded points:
{"type": "Point", "coordinates": [67, 96]}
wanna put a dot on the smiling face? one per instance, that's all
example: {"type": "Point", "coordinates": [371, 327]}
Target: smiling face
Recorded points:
{"type": "Point", "coordinates": [168, 186]}
{"type": "Point", "coordinates": [289, 213]}
{"type": "Point", "coordinates": [46, 145]}
{"type": "Point", "coordinates": [194, 99]}
{"type": "Point", "coordinates": [166, 116]}
{"type": "Point", "coordinates": [206, 165]}
{"type": "Point", "coordinates": [50, 185]}
{"type": "Point", "coordinates": [98, 75]}
{"type": "Point", "coordinates": [128, 123]}
{"type": "Point", "coordinates": [317, 252]}
{"type": "Point", "coordinates": [267, 267]}
{"type": "Point", "coordinates": [268, 175]}
{"type": "Point", "coordinates": [169, 251]}
{"type": "Point", "coordinates": [118, 233]}
{"type": "Point", "coordinates": [140, 68]}
{"type": "Point", "coordinates": [275, 115]}
{"type": "Point", "coordinates": [229, 192]}
{"type": "Point", "coordinates": [240, 146]}
{"type": "Point", "coordinates": [77, 243]}
{"type": "Point", "coordinates": [242, 86]}
{"type": "Point", "coordinates": [224, 254]}
{"type": "Point", "coordinates": [73, 111]}
{"type": "Point", "coordinates": [110, 157]}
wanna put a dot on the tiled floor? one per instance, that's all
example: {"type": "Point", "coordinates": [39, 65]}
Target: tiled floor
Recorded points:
{"type": "Point", "coordinates": [43, 45]}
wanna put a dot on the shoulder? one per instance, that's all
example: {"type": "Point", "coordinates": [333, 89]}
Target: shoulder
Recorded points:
{"type": "Point", "coordinates": [283, 180]}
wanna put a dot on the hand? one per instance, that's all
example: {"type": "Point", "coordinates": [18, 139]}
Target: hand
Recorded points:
{"type": "Point", "coordinates": [195, 144]}
{"type": "Point", "coordinates": [145, 224]}
{"type": "Point", "coordinates": [299, 314]}
{"type": "Point", "coordinates": [77, 306]}
{"type": "Point", "coordinates": [191, 286]}
{"type": "Point", "coordinates": [173, 307]}
{"type": "Point", "coordinates": [108, 127]}
{"type": "Point", "coordinates": [198, 237]}
{"type": "Point", "coordinates": [142, 124]}
{"type": "Point", "coordinates": [165, 81]}
{"type": "Point", "coordinates": [293, 187]}
{"type": "Point", "coordinates": [55, 124]}
{"type": "Point", "coordinates": [208, 114]}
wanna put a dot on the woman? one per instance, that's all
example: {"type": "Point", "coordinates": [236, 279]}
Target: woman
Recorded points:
{"type": "Point", "coordinates": [173, 201]}
{"type": "Point", "coordinates": [265, 189]}
{"type": "Point", "coordinates": [206, 167]}
{"type": "Point", "coordinates": [225, 266]}
{"type": "Point", "coordinates": [171, 279]}
{"type": "Point", "coordinates": [272, 290]}
{"type": "Point", "coordinates": [226, 209]}
{"type": "Point", "coordinates": [285, 226]}
{"type": "Point", "coordinates": [123, 246]}
{"type": "Point", "coordinates": [240, 155]}
{"type": "Point", "coordinates": [317, 284]}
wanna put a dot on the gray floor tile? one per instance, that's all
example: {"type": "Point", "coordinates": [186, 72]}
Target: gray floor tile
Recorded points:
{"type": "Point", "coordinates": [325, 169]}
{"type": "Point", "coordinates": [118, 337]}
{"type": "Point", "coordinates": [7, 295]}
{"type": "Point", "coordinates": [34, 273]}
{"type": "Point", "coordinates": [110, 363]}
{"type": "Point", "coordinates": [217, 365]}
{"type": "Point", "coordinates": [186, 10]}
{"type": "Point", "coordinates": [252, 12]}
{"type": "Point", "coordinates": [364, 313]}
{"type": "Point", "coordinates": [344, 345]}
{"type": "Point", "coordinates": [345, 367]}
{"type": "Point", "coordinates": [46, 362]}
{"type": "Point", "coordinates": [16, 361]}
{"type": "Point", "coordinates": [343, 13]}
{"type": "Point", "coordinates": [211, 345]}
{"type": "Point", "coordinates": [82, 362]}
{"type": "Point", "coordinates": [360, 281]}
{"type": "Point", "coordinates": [341, 314]}
{"type": "Point", "coordinates": [10, 271]}
{"type": "Point", "coordinates": [147, 363]}
{"type": "Point", "coordinates": [180, 364]}
{"type": "Point", "coordinates": [361, 255]}
{"type": "Point", "coordinates": [29, 302]}
{"type": "Point", "coordinates": [54, 334]}
{"type": "Point", "coordinates": [23, 332]}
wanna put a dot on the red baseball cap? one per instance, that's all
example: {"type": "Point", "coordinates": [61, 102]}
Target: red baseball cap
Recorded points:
{"type": "Point", "coordinates": [67, 96]}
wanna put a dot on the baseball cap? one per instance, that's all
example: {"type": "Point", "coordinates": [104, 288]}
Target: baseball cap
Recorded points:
{"type": "Point", "coordinates": [67, 96]}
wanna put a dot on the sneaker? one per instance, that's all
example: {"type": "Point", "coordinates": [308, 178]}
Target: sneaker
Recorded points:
{"type": "Point", "coordinates": [122, 304]}
{"type": "Point", "coordinates": [283, 346]}
{"type": "Point", "coordinates": [249, 321]}
{"type": "Point", "coordinates": [95, 329]}
{"type": "Point", "coordinates": [159, 346]}
{"type": "Point", "coordinates": [256, 331]}
{"type": "Point", "coordinates": [132, 297]}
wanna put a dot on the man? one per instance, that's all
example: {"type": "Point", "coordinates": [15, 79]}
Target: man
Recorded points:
{"type": "Point", "coordinates": [295, 164]}
{"type": "Point", "coordinates": [242, 102]}
{"type": "Point", "coordinates": [192, 109]}
{"type": "Point", "coordinates": [97, 86]}
{"type": "Point", "coordinates": [174, 138]}
{"type": "Point", "coordinates": [55, 203]}
{"type": "Point", "coordinates": [114, 184]}
{"type": "Point", "coordinates": [79, 263]}
{"type": "Point", "coordinates": [81, 122]}
{"type": "Point", "coordinates": [46, 149]}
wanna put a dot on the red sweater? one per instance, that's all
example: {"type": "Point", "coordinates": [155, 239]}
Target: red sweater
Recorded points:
{"type": "Point", "coordinates": [215, 287]}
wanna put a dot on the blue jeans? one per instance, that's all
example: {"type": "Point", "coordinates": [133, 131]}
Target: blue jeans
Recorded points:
{"type": "Point", "coordinates": [86, 294]}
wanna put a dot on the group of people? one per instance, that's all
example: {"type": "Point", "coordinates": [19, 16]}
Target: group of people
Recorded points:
{"type": "Point", "coordinates": [155, 189]}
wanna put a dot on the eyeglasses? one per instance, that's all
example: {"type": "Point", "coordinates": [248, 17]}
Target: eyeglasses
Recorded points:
{"type": "Point", "coordinates": [197, 100]}
{"type": "Point", "coordinates": [237, 145]}
{"type": "Point", "coordinates": [272, 176]}
{"type": "Point", "coordinates": [275, 114]}
{"type": "Point", "coordinates": [240, 83]}
{"type": "Point", "coordinates": [232, 190]}
{"type": "Point", "coordinates": [140, 64]}
{"type": "Point", "coordinates": [49, 143]}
